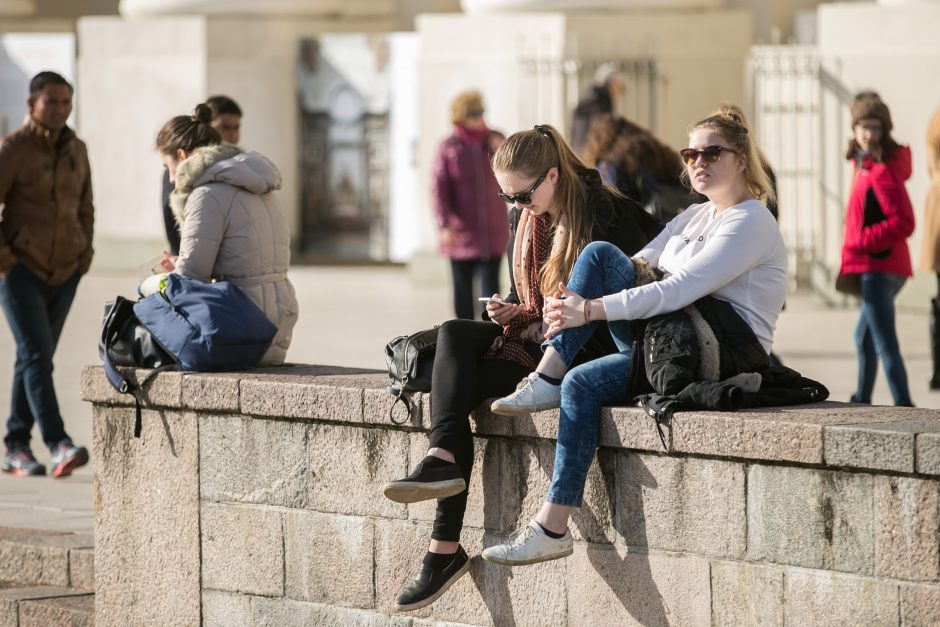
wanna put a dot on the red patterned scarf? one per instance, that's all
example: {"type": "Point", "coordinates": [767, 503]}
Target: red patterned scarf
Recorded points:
{"type": "Point", "coordinates": [527, 261]}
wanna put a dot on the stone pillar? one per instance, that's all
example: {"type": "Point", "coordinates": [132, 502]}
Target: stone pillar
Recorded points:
{"type": "Point", "coordinates": [17, 7]}
{"type": "Point", "coordinates": [315, 8]}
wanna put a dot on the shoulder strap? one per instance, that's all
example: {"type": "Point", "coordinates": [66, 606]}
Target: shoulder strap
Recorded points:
{"type": "Point", "coordinates": [414, 409]}
{"type": "Point", "coordinates": [122, 385]}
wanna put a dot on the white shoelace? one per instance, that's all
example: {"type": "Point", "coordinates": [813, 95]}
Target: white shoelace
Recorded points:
{"type": "Point", "coordinates": [520, 537]}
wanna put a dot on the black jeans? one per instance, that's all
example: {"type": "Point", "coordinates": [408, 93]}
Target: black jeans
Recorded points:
{"type": "Point", "coordinates": [36, 313]}
{"type": "Point", "coordinates": [462, 380]}
{"type": "Point", "coordinates": [487, 273]}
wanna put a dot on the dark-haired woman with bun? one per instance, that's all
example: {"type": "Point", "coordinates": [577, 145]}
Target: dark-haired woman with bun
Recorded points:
{"type": "Point", "coordinates": [559, 206]}
{"type": "Point", "coordinates": [729, 248]}
{"type": "Point", "coordinates": [231, 223]}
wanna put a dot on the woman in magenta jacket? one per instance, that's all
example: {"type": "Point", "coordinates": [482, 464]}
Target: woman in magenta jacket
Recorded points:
{"type": "Point", "coordinates": [879, 218]}
{"type": "Point", "coordinates": [472, 221]}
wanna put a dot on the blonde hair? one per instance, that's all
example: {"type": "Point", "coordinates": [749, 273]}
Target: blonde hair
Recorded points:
{"type": "Point", "coordinates": [728, 121]}
{"type": "Point", "coordinates": [532, 154]}
{"type": "Point", "coordinates": [463, 104]}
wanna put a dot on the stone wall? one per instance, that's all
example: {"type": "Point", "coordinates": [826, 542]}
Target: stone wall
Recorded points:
{"type": "Point", "coordinates": [255, 499]}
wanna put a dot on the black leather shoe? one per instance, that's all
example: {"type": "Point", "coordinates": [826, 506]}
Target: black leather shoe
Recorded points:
{"type": "Point", "coordinates": [436, 481]}
{"type": "Point", "coordinates": [430, 584]}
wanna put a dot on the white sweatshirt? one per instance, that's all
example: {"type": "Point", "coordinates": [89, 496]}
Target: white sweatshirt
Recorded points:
{"type": "Point", "coordinates": [737, 256]}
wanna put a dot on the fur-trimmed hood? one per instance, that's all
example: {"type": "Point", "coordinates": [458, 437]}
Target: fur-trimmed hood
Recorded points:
{"type": "Point", "coordinates": [222, 163]}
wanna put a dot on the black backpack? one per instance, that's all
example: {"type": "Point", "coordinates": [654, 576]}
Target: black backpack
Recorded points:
{"type": "Point", "coordinates": [410, 360]}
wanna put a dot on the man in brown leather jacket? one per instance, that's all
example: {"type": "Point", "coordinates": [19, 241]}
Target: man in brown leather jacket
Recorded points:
{"type": "Point", "coordinates": [46, 225]}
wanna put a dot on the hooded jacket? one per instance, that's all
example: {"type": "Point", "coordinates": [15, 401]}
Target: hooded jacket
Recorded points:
{"type": "Point", "coordinates": [232, 229]}
{"type": "Point", "coordinates": [874, 244]}
{"type": "Point", "coordinates": [47, 221]}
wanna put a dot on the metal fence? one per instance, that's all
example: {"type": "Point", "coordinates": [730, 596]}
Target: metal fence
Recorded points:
{"type": "Point", "coordinates": [799, 110]}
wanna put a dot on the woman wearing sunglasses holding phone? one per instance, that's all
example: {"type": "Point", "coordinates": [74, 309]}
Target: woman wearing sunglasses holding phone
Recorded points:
{"type": "Point", "coordinates": [558, 207]}
{"type": "Point", "coordinates": [729, 247]}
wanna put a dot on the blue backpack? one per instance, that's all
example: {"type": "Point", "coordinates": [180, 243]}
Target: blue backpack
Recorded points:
{"type": "Point", "coordinates": [202, 326]}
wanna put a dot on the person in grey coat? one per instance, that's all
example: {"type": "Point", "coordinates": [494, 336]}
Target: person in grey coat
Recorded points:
{"type": "Point", "coordinates": [231, 224]}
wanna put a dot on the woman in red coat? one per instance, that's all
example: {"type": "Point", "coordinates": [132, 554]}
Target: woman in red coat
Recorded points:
{"type": "Point", "coordinates": [879, 218]}
{"type": "Point", "coordinates": [472, 221]}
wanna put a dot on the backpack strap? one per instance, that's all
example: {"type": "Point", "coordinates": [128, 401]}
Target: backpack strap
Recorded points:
{"type": "Point", "coordinates": [124, 386]}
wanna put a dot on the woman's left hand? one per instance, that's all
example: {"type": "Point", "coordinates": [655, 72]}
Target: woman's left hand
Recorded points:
{"type": "Point", "coordinates": [563, 310]}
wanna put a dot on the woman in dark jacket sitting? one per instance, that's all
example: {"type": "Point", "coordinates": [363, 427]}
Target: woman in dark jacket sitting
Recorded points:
{"type": "Point", "coordinates": [559, 206]}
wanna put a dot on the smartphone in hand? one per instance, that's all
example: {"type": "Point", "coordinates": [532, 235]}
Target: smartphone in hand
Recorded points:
{"type": "Point", "coordinates": [490, 299]}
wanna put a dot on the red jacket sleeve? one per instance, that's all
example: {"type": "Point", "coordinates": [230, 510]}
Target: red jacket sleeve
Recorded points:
{"type": "Point", "coordinates": [442, 187]}
{"type": "Point", "coordinates": [889, 189]}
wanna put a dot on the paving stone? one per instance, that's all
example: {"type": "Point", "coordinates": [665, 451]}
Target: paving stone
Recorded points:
{"type": "Point", "coordinates": [525, 476]}
{"type": "Point", "coordinates": [881, 446]}
{"type": "Point", "coordinates": [40, 559]}
{"type": "Point", "coordinates": [530, 595]}
{"type": "Point", "coordinates": [288, 613]}
{"type": "Point", "coordinates": [11, 597]}
{"type": "Point", "coordinates": [824, 599]}
{"type": "Point", "coordinates": [349, 466]}
{"type": "Point", "coordinates": [243, 549]}
{"type": "Point", "coordinates": [907, 528]}
{"type": "Point", "coordinates": [73, 611]}
{"type": "Point", "coordinates": [746, 594]}
{"type": "Point", "coordinates": [329, 558]}
{"type": "Point", "coordinates": [682, 504]}
{"type": "Point", "coordinates": [920, 605]}
{"type": "Point", "coordinates": [812, 518]}
{"type": "Point", "coordinates": [927, 453]}
{"type": "Point", "coordinates": [146, 497]}
{"type": "Point", "coordinates": [636, 588]}
{"type": "Point", "coordinates": [253, 460]}
{"type": "Point", "coordinates": [484, 494]}
{"type": "Point", "coordinates": [217, 392]}
{"type": "Point", "coordinates": [399, 549]}
{"type": "Point", "coordinates": [630, 427]}
{"type": "Point", "coordinates": [225, 609]}
{"type": "Point", "coordinates": [164, 390]}
{"type": "Point", "coordinates": [748, 434]}
{"type": "Point", "coordinates": [298, 397]}
{"type": "Point", "coordinates": [82, 569]}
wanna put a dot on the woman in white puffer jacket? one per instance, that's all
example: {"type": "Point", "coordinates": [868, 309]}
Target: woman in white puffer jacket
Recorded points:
{"type": "Point", "coordinates": [231, 223]}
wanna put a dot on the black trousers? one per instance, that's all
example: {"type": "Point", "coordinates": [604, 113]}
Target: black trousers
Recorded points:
{"type": "Point", "coordinates": [462, 380]}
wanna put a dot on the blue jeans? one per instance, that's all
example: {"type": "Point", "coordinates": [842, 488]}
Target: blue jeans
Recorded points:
{"type": "Point", "coordinates": [36, 314]}
{"type": "Point", "coordinates": [601, 269]}
{"type": "Point", "coordinates": [876, 336]}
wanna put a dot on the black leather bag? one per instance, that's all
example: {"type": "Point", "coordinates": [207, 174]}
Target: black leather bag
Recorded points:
{"type": "Point", "coordinates": [127, 341]}
{"type": "Point", "coordinates": [410, 360]}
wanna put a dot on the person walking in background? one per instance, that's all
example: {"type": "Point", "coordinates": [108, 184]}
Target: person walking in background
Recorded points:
{"type": "Point", "coordinates": [878, 220]}
{"type": "Point", "coordinates": [45, 248]}
{"type": "Point", "coordinates": [471, 219]}
{"type": "Point", "coordinates": [231, 221]}
{"type": "Point", "coordinates": [226, 120]}
{"type": "Point", "coordinates": [601, 98]}
{"type": "Point", "coordinates": [930, 246]}
{"type": "Point", "coordinates": [559, 206]}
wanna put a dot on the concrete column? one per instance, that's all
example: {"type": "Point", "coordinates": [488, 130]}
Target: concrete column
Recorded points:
{"type": "Point", "coordinates": [569, 6]}
{"type": "Point", "coordinates": [332, 8]}
{"type": "Point", "coordinates": [17, 7]}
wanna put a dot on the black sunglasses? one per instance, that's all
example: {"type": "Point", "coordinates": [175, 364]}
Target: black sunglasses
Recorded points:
{"type": "Point", "coordinates": [523, 198]}
{"type": "Point", "coordinates": [709, 154]}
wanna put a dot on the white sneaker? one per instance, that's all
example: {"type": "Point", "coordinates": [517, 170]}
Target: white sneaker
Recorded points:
{"type": "Point", "coordinates": [533, 394]}
{"type": "Point", "coordinates": [530, 545]}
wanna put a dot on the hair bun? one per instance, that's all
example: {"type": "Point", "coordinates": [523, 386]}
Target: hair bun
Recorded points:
{"type": "Point", "coordinates": [202, 113]}
{"type": "Point", "coordinates": [732, 112]}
